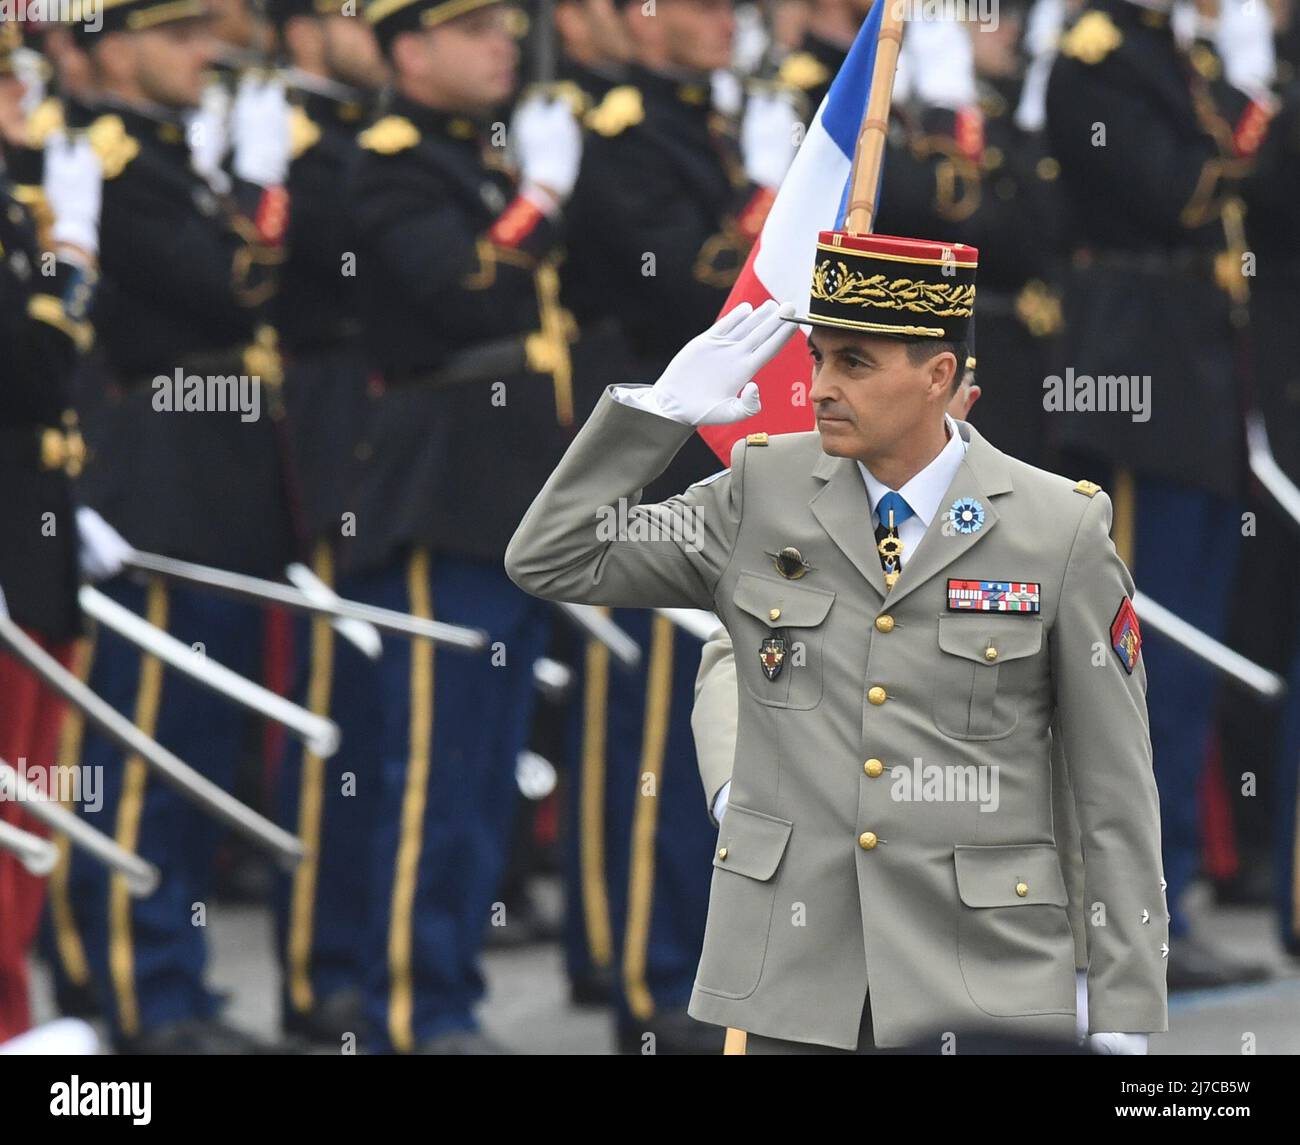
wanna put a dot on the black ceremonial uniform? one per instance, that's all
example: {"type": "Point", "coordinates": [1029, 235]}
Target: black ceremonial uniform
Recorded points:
{"type": "Point", "coordinates": [811, 69]}
{"type": "Point", "coordinates": [1153, 145]}
{"type": "Point", "coordinates": [325, 905]}
{"type": "Point", "coordinates": [185, 281]}
{"type": "Point", "coordinates": [43, 320]}
{"type": "Point", "coordinates": [472, 402]}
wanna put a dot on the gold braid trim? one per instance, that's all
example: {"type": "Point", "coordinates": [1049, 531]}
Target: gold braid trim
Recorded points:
{"type": "Point", "coordinates": [942, 299]}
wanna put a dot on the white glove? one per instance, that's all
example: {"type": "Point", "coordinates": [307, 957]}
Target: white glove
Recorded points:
{"type": "Point", "coordinates": [260, 127]}
{"type": "Point", "coordinates": [768, 137]}
{"type": "Point", "coordinates": [1245, 41]}
{"type": "Point", "coordinates": [1126, 1044]}
{"type": "Point", "coordinates": [709, 381]}
{"type": "Point", "coordinates": [548, 143]}
{"type": "Point", "coordinates": [73, 187]}
{"type": "Point", "coordinates": [209, 137]}
{"type": "Point", "coordinates": [720, 801]}
{"type": "Point", "coordinates": [103, 548]}
{"type": "Point", "coordinates": [952, 84]}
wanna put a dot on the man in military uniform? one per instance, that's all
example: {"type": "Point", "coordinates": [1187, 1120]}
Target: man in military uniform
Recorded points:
{"type": "Point", "coordinates": [829, 34]}
{"type": "Point", "coordinates": [471, 402]}
{"type": "Point", "coordinates": [844, 912]}
{"type": "Point", "coordinates": [666, 209]}
{"type": "Point", "coordinates": [1155, 278]}
{"type": "Point", "coordinates": [44, 324]}
{"type": "Point", "coordinates": [335, 69]}
{"type": "Point", "coordinates": [182, 467]}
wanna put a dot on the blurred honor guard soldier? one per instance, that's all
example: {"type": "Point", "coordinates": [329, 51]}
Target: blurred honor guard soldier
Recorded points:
{"type": "Point", "coordinates": [186, 463]}
{"type": "Point", "coordinates": [335, 69]}
{"type": "Point", "coordinates": [1153, 143]}
{"type": "Point", "coordinates": [472, 399]}
{"type": "Point", "coordinates": [662, 220]}
{"type": "Point", "coordinates": [44, 323]}
{"type": "Point", "coordinates": [848, 911]}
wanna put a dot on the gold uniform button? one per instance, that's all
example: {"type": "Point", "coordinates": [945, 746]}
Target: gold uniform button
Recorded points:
{"type": "Point", "coordinates": [774, 614]}
{"type": "Point", "coordinates": [867, 840]}
{"type": "Point", "coordinates": [884, 624]}
{"type": "Point", "coordinates": [877, 695]}
{"type": "Point", "coordinates": [722, 853]}
{"type": "Point", "coordinates": [1022, 889]}
{"type": "Point", "coordinates": [873, 767]}
{"type": "Point", "coordinates": [990, 653]}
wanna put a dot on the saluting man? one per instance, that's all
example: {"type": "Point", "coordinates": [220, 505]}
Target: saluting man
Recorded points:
{"type": "Point", "coordinates": [887, 868]}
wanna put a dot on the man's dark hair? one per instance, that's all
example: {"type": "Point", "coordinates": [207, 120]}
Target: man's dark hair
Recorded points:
{"type": "Point", "coordinates": [923, 349]}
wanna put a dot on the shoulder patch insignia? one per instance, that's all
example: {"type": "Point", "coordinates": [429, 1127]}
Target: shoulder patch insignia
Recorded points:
{"type": "Point", "coordinates": [111, 143]}
{"type": "Point", "coordinates": [304, 134]}
{"type": "Point", "coordinates": [389, 135]}
{"type": "Point", "coordinates": [802, 70]}
{"type": "Point", "coordinates": [621, 108]}
{"type": "Point", "coordinates": [1088, 488]}
{"type": "Point", "coordinates": [46, 118]}
{"type": "Point", "coordinates": [1126, 636]}
{"type": "Point", "coordinates": [1093, 37]}
{"type": "Point", "coordinates": [756, 439]}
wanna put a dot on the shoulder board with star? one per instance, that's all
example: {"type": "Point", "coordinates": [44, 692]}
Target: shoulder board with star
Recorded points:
{"type": "Point", "coordinates": [621, 108]}
{"type": "Point", "coordinates": [1093, 38]}
{"type": "Point", "coordinates": [113, 144]}
{"type": "Point", "coordinates": [802, 70]}
{"type": "Point", "coordinates": [304, 132]}
{"type": "Point", "coordinates": [1088, 488]}
{"type": "Point", "coordinates": [756, 439]}
{"type": "Point", "coordinates": [389, 135]}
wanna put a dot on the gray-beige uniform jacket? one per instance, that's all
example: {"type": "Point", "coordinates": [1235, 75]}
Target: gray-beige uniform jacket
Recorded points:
{"type": "Point", "coordinates": [832, 884]}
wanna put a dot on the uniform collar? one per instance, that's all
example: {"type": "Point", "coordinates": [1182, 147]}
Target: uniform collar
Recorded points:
{"type": "Point", "coordinates": [925, 491]}
{"type": "Point", "coordinates": [150, 122]}
{"type": "Point", "coordinates": [438, 124]}
{"type": "Point", "coordinates": [685, 89]}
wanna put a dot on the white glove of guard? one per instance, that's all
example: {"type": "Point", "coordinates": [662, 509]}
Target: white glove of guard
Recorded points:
{"type": "Point", "coordinates": [1244, 39]}
{"type": "Point", "coordinates": [548, 144]}
{"type": "Point", "coordinates": [768, 136]}
{"type": "Point", "coordinates": [103, 549]}
{"type": "Point", "coordinates": [709, 381]}
{"type": "Point", "coordinates": [1129, 1044]}
{"type": "Point", "coordinates": [951, 85]}
{"type": "Point", "coordinates": [73, 188]}
{"type": "Point", "coordinates": [260, 127]}
{"type": "Point", "coordinates": [720, 801]}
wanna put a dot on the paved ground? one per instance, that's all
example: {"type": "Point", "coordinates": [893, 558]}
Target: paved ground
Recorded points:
{"type": "Point", "coordinates": [528, 1006]}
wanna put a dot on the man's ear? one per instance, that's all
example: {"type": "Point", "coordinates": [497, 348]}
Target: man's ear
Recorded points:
{"type": "Point", "coordinates": [943, 368]}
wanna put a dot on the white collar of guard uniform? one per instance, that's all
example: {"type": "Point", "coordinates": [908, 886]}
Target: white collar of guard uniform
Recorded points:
{"type": "Point", "coordinates": [924, 491]}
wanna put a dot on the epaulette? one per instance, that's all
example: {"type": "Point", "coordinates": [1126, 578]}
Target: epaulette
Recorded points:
{"type": "Point", "coordinates": [1088, 488]}
{"type": "Point", "coordinates": [304, 133]}
{"type": "Point", "coordinates": [389, 135]}
{"type": "Point", "coordinates": [621, 108]}
{"type": "Point", "coordinates": [112, 144]}
{"type": "Point", "coordinates": [756, 439]}
{"type": "Point", "coordinates": [46, 118]}
{"type": "Point", "coordinates": [1093, 37]}
{"type": "Point", "coordinates": [802, 70]}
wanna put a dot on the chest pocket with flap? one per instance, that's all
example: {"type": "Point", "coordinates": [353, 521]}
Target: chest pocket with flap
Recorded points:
{"type": "Point", "coordinates": [792, 615]}
{"type": "Point", "coordinates": [975, 686]}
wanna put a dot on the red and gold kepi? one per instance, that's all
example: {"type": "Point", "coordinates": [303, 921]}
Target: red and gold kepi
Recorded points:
{"type": "Point", "coordinates": [903, 288]}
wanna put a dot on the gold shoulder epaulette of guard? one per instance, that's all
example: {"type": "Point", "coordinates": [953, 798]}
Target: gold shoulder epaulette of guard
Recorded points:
{"type": "Point", "coordinates": [112, 144]}
{"type": "Point", "coordinates": [1093, 37]}
{"type": "Point", "coordinates": [389, 135]}
{"type": "Point", "coordinates": [304, 133]}
{"type": "Point", "coordinates": [802, 70]}
{"type": "Point", "coordinates": [621, 108]}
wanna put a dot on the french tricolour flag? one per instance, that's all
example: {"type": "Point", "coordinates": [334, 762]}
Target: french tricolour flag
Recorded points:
{"type": "Point", "coordinates": [812, 198]}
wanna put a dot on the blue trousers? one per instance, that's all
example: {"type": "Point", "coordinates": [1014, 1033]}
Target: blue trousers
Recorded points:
{"type": "Point", "coordinates": [1186, 544]}
{"type": "Point", "coordinates": [331, 804]}
{"type": "Point", "coordinates": [450, 729]}
{"type": "Point", "coordinates": [639, 843]}
{"type": "Point", "coordinates": [147, 956]}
